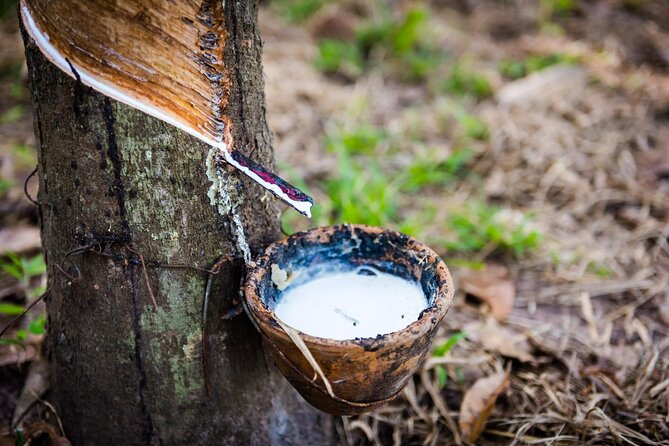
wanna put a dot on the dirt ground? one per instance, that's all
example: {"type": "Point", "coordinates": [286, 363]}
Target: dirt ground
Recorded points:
{"type": "Point", "coordinates": [564, 343]}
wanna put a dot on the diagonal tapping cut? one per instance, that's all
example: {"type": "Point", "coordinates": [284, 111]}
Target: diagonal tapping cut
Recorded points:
{"type": "Point", "coordinates": [179, 76]}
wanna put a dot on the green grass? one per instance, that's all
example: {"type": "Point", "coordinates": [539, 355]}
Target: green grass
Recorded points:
{"type": "Point", "coordinates": [5, 185]}
{"type": "Point", "coordinates": [440, 351]}
{"type": "Point", "coordinates": [397, 37]}
{"type": "Point", "coordinates": [24, 156]}
{"type": "Point", "coordinates": [516, 69]}
{"type": "Point", "coordinates": [464, 82]}
{"type": "Point", "coordinates": [297, 11]}
{"type": "Point", "coordinates": [18, 91]}
{"type": "Point", "coordinates": [25, 270]}
{"type": "Point", "coordinates": [599, 270]}
{"type": "Point", "coordinates": [360, 192]}
{"type": "Point", "coordinates": [9, 309]}
{"type": "Point", "coordinates": [559, 7]}
{"type": "Point", "coordinates": [428, 171]}
{"type": "Point", "coordinates": [479, 226]}
{"type": "Point", "coordinates": [404, 42]}
{"type": "Point", "coordinates": [363, 139]}
{"type": "Point", "coordinates": [339, 57]}
{"type": "Point", "coordinates": [368, 188]}
{"type": "Point", "coordinates": [11, 115]}
{"type": "Point", "coordinates": [471, 126]}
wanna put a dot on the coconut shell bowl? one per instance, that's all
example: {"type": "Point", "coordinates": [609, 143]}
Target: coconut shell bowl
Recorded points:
{"type": "Point", "coordinates": [356, 375]}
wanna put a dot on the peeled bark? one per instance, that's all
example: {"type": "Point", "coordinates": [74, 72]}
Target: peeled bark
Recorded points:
{"type": "Point", "coordinates": [165, 58]}
{"type": "Point", "coordinates": [123, 196]}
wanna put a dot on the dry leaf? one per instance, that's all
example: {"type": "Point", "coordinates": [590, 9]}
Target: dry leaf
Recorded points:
{"type": "Point", "coordinates": [506, 343]}
{"type": "Point", "coordinates": [19, 239]}
{"type": "Point", "coordinates": [478, 403]}
{"type": "Point", "coordinates": [497, 339]}
{"type": "Point", "coordinates": [493, 286]}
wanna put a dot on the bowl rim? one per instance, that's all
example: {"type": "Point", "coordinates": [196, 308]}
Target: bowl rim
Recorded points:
{"type": "Point", "coordinates": [429, 318]}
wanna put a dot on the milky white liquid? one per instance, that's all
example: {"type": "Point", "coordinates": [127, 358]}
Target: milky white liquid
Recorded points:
{"type": "Point", "coordinates": [351, 305]}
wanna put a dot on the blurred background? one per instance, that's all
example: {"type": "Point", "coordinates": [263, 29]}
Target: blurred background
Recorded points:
{"type": "Point", "coordinates": [526, 141]}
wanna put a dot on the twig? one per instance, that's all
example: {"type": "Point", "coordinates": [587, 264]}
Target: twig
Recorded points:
{"type": "Point", "coordinates": [76, 251]}
{"type": "Point", "coordinates": [440, 405]}
{"type": "Point", "coordinates": [23, 313]}
{"type": "Point", "coordinates": [25, 187]}
{"type": "Point", "coordinates": [53, 409]}
{"type": "Point", "coordinates": [146, 276]}
{"type": "Point", "coordinates": [72, 278]}
{"type": "Point", "coordinates": [205, 306]}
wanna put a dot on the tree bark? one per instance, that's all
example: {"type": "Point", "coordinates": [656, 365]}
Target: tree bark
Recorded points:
{"type": "Point", "coordinates": [126, 220]}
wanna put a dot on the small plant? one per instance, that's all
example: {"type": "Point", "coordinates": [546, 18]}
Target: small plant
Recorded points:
{"type": "Point", "coordinates": [297, 11]}
{"type": "Point", "coordinates": [479, 226]}
{"type": "Point", "coordinates": [419, 64]}
{"type": "Point", "coordinates": [24, 156]}
{"type": "Point", "coordinates": [24, 271]}
{"type": "Point", "coordinates": [336, 56]}
{"type": "Point", "coordinates": [440, 351]}
{"type": "Point", "coordinates": [559, 7]}
{"type": "Point", "coordinates": [361, 140]}
{"type": "Point", "coordinates": [464, 82]}
{"type": "Point", "coordinates": [429, 172]}
{"type": "Point", "coordinates": [472, 127]}
{"type": "Point", "coordinates": [415, 224]}
{"type": "Point", "coordinates": [360, 193]}
{"type": "Point", "coordinates": [9, 309]}
{"type": "Point", "coordinates": [14, 114]}
{"type": "Point", "coordinates": [514, 69]}
{"type": "Point", "coordinates": [5, 185]}
{"type": "Point", "coordinates": [397, 38]}
{"type": "Point", "coordinates": [599, 270]}
{"type": "Point", "coordinates": [403, 42]}
{"type": "Point", "coordinates": [17, 90]}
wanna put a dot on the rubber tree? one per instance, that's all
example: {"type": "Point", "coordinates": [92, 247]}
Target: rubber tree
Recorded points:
{"type": "Point", "coordinates": [135, 238]}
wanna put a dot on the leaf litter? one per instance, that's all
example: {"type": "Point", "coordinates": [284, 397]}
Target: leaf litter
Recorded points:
{"type": "Point", "coordinates": [578, 320]}
{"type": "Point", "coordinates": [478, 403]}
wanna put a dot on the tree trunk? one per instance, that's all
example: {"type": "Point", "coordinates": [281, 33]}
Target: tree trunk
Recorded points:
{"type": "Point", "coordinates": [126, 220]}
